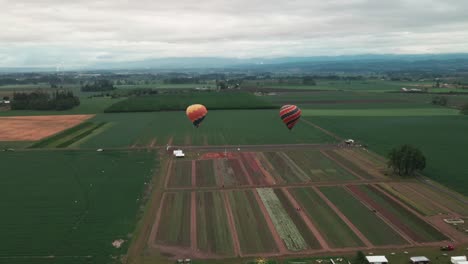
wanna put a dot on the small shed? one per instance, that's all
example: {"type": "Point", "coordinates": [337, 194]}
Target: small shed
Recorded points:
{"type": "Point", "coordinates": [419, 260]}
{"type": "Point", "coordinates": [377, 259]}
{"type": "Point", "coordinates": [458, 259]}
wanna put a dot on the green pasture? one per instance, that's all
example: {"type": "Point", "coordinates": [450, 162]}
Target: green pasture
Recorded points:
{"type": "Point", "coordinates": [393, 112]}
{"type": "Point", "coordinates": [180, 101]}
{"type": "Point", "coordinates": [442, 139]}
{"type": "Point", "coordinates": [70, 203]}
{"type": "Point", "coordinates": [375, 229]}
{"type": "Point", "coordinates": [219, 128]}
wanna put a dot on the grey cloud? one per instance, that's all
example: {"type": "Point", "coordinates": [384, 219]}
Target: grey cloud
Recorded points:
{"type": "Point", "coordinates": [85, 31]}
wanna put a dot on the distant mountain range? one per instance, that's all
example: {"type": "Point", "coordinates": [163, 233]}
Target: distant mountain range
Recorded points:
{"type": "Point", "coordinates": [345, 63]}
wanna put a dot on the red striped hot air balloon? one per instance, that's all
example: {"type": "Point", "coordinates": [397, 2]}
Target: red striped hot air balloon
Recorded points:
{"type": "Point", "coordinates": [196, 113]}
{"type": "Point", "coordinates": [290, 115]}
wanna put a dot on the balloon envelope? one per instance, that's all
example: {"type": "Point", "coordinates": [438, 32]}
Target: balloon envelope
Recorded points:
{"type": "Point", "coordinates": [290, 115]}
{"type": "Point", "coordinates": [196, 113]}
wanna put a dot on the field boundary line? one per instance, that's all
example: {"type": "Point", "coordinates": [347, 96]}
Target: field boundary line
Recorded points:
{"type": "Point", "coordinates": [384, 219]}
{"type": "Point", "coordinates": [193, 221]}
{"type": "Point", "coordinates": [335, 136]}
{"type": "Point", "coordinates": [342, 165]}
{"type": "Point", "coordinates": [323, 243]}
{"type": "Point", "coordinates": [279, 242]}
{"type": "Point", "coordinates": [232, 225]}
{"type": "Point", "coordinates": [345, 219]}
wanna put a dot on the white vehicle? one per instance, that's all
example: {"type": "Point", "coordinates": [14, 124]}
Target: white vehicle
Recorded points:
{"type": "Point", "coordinates": [178, 153]}
{"type": "Point", "coordinates": [349, 141]}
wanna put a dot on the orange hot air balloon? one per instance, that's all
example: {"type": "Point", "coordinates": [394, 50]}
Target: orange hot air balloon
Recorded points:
{"type": "Point", "coordinates": [196, 113]}
{"type": "Point", "coordinates": [290, 115]}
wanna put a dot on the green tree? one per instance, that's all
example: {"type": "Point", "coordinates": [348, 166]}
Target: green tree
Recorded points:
{"type": "Point", "coordinates": [440, 100]}
{"type": "Point", "coordinates": [464, 109]}
{"type": "Point", "coordinates": [406, 159]}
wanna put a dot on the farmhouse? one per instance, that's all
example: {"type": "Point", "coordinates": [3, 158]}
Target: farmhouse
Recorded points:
{"type": "Point", "coordinates": [377, 259]}
{"type": "Point", "coordinates": [419, 260]}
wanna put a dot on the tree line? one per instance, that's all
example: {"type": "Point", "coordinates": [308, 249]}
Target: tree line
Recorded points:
{"type": "Point", "coordinates": [98, 86]}
{"type": "Point", "coordinates": [40, 100]}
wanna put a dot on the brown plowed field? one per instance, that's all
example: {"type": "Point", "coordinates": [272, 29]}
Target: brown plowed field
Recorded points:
{"type": "Point", "coordinates": [32, 128]}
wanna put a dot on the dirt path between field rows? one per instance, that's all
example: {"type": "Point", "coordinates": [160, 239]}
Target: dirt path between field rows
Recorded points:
{"type": "Point", "coordinates": [193, 222]}
{"type": "Point", "coordinates": [358, 233]}
{"type": "Point", "coordinates": [323, 243]}
{"type": "Point", "coordinates": [232, 225]}
{"type": "Point", "coordinates": [279, 242]}
{"type": "Point", "coordinates": [194, 173]}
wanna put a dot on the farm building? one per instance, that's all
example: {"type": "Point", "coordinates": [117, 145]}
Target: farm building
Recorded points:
{"type": "Point", "coordinates": [419, 260]}
{"type": "Point", "coordinates": [377, 259]}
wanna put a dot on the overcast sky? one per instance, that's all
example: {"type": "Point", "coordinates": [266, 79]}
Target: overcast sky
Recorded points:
{"type": "Point", "coordinates": [83, 32]}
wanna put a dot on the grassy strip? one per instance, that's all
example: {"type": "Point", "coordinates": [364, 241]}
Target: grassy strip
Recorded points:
{"type": "Point", "coordinates": [80, 136]}
{"type": "Point", "coordinates": [174, 228]}
{"type": "Point", "coordinates": [251, 226]}
{"type": "Point", "coordinates": [57, 137]}
{"type": "Point", "coordinates": [335, 230]}
{"type": "Point", "coordinates": [375, 229]}
{"type": "Point", "coordinates": [402, 198]}
{"type": "Point", "coordinates": [181, 175]}
{"type": "Point", "coordinates": [349, 164]}
{"type": "Point", "coordinates": [294, 215]}
{"type": "Point", "coordinates": [206, 176]}
{"type": "Point", "coordinates": [286, 228]}
{"type": "Point", "coordinates": [426, 232]}
{"type": "Point", "coordinates": [180, 101]}
{"type": "Point", "coordinates": [213, 232]}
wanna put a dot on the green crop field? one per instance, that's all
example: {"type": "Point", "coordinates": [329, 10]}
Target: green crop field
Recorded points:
{"type": "Point", "coordinates": [442, 139]}
{"type": "Point", "coordinates": [319, 167]}
{"type": "Point", "coordinates": [334, 230]}
{"type": "Point", "coordinates": [363, 172]}
{"type": "Point", "coordinates": [180, 101]}
{"type": "Point", "coordinates": [375, 229]}
{"type": "Point", "coordinates": [206, 176]}
{"type": "Point", "coordinates": [174, 225]}
{"type": "Point", "coordinates": [424, 232]}
{"type": "Point", "coordinates": [284, 225]}
{"type": "Point", "coordinates": [298, 221]}
{"type": "Point", "coordinates": [87, 106]}
{"type": "Point", "coordinates": [219, 128]}
{"type": "Point", "coordinates": [213, 233]}
{"type": "Point", "coordinates": [181, 175]}
{"type": "Point", "coordinates": [252, 229]}
{"type": "Point", "coordinates": [70, 203]}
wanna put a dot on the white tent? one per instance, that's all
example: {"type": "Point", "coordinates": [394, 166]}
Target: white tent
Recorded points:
{"type": "Point", "coordinates": [458, 259]}
{"type": "Point", "coordinates": [377, 259]}
{"type": "Point", "coordinates": [419, 259]}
